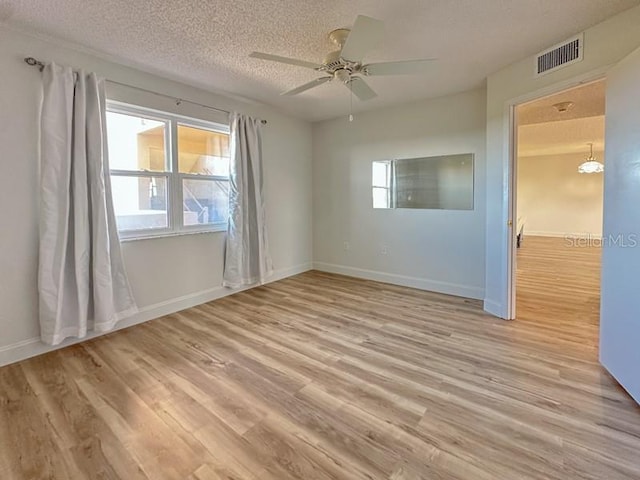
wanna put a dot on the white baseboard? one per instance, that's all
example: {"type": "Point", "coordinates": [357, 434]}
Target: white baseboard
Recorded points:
{"type": "Point", "coordinates": [291, 271]}
{"type": "Point", "coordinates": [466, 291]}
{"type": "Point", "coordinates": [33, 346]}
{"type": "Point", "coordinates": [528, 233]}
{"type": "Point", "coordinates": [594, 236]}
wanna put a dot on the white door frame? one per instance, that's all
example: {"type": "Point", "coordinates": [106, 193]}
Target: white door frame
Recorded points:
{"type": "Point", "coordinates": [512, 215]}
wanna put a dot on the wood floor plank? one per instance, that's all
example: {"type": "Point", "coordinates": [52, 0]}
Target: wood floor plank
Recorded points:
{"type": "Point", "coordinates": [293, 457]}
{"type": "Point", "coordinates": [29, 445]}
{"type": "Point", "coordinates": [326, 377]}
{"type": "Point", "coordinates": [78, 427]}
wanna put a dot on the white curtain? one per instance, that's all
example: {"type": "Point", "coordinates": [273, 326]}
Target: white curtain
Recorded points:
{"type": "Point", "coordinates": [81, 280]}
{"type": "Point", "coordinates": [247, 259]}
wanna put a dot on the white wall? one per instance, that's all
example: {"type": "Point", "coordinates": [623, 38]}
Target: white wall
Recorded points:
{"type": "Point", "coordinates": [605, 44]}
{"type": "Point", "coordinates": [166, 274]}
{"type": "Point", "coordinates": [440, 250]}
{"type": "Point", "coordinates": [555, 199]}
{"type": "Point", "coordinates": [620, 302]}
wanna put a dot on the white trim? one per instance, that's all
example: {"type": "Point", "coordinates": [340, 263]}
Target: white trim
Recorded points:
{"type": "Point", "coordinates": [512, 214]}
{"type": "Point", "coordinates": [33, 346]}
{"type": "Point", "coordinates": [508, 293]}
{"type": "Point", "coordinates": [289, 272]}
{"type": "Point", "coordinates": [562, 235]}
{"type": "Point", "coordinates": [220, 229]}
{"type": "Point", "coordinates": [174, 178]}
{"type": "Point", "coordinates": [125, 108]}
{"type": "Point", "coordinates": [428, 284]}
{"type": "Point", "coordinates": [529, 233]}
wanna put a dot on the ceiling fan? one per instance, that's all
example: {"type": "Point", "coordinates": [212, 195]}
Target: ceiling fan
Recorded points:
{"type": "Point", "coordinates": [345, 64]}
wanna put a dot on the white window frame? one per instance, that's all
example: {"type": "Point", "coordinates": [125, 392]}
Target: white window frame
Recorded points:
{"type": "Point", "coordinates": [172, 174]}
{"type": "Point", "coordinates": [390, 185]}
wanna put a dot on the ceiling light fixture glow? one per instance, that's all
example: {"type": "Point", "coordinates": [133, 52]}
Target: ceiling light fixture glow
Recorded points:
{"type": "Point", "coordinates": [591, 165]}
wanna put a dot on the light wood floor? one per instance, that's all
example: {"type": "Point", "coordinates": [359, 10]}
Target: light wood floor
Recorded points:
{"type": "Point", "coordinates": [558, 285]}
{"type": "Point", "coordinates": [324, 377]}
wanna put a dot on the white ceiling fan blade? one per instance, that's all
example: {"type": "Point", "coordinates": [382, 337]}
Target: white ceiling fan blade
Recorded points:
{"type": "Point", "coordinates": [307, 86]}
{"type": "Point", "coordinates": [287, 60]}
{"type": "Point", "coordinates": [365, 35]}
{"type": "Point", "coordinates": [360, 89]}
{"type": "Point", "coordinates": [405, 67]}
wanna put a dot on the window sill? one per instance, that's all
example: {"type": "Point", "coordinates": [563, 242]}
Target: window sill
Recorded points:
{"type": "Point", "coordinates": [151, 236]}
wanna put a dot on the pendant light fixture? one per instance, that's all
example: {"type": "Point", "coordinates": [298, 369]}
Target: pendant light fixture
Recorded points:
{"type": "Point", "coordinates": [591, 165]}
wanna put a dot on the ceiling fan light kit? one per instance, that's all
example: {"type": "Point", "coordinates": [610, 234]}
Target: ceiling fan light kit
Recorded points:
{"type": "Point", "coordinates": [346, 66]}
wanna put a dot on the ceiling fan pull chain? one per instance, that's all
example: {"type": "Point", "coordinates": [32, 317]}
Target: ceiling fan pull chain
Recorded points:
{"type": "Point", "coordinates": [351, 100]}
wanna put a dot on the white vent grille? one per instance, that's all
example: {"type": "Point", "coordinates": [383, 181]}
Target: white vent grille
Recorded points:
{"type": "Point", "coordinates": [559, 56]}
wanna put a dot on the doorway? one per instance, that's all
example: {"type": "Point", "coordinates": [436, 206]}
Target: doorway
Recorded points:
{"type": "Point", "coordinates": [558, 193]}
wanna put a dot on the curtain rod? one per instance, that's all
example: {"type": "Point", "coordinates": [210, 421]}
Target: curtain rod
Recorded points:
{"type": "Point", "coordinates": [37, 63]}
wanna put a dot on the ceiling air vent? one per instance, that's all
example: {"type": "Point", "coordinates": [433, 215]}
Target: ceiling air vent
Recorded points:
{"type": "Point", "coordinates": [559, 55]}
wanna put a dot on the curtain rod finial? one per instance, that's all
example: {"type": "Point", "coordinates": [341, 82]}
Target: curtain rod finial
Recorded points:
{"type": "Point", "coordinates": [33, 62]}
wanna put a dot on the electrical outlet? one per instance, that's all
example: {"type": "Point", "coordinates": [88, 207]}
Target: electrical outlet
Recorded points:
{"type": "Point", "coordinates": [346, 246]}
{"type": "Point", "coordinates": [383, 250]}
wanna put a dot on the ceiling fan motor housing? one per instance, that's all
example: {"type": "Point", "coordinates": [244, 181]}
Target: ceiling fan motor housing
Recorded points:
{"type": "Point", "coordinates": [332, 61]}
{"type": "Point", "coordinates": [340, 68]}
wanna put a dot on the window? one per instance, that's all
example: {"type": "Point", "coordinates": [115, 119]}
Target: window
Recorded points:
{"type": "Point", "coordinates": [381, 178]}
{"type": "Point", "coordinates": [169, 174]}
{"type": "Point", "coordinates": [440, 182]}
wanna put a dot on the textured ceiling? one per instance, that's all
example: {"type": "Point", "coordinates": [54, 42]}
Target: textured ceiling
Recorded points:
{"type": "Point", "coordinates": [587, 101]}
{"type": "Point", "coordinates": [207, 43]}
{"type": "Point", "coordinates": [567, 136]}
{"type": "Point", "coordinates": [543, 130]}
